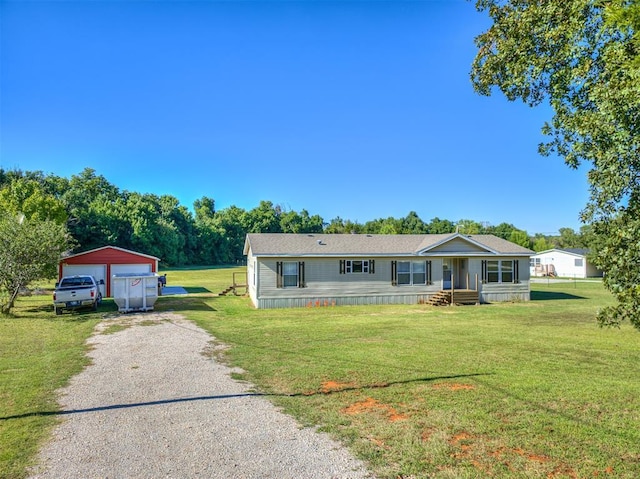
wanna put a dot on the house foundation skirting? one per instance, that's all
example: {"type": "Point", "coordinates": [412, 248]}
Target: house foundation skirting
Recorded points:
{"type": "Point", "coordinates": [329, 301]}
{"type": "Point", "coordinates": [361, 300]}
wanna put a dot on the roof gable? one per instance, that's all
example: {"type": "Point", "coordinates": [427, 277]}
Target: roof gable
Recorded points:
{"type": "Point", "coordinates": [578, 252]}
{"type": "Point", "coordinates": [114, 248]}
{"type": "Point", "coordinates": [457, 243]}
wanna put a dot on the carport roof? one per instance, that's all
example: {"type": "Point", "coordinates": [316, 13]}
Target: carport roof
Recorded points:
{"type": "Point", "coordinates": [111, 247]}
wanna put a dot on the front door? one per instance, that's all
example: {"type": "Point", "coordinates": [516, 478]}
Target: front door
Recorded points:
{"type": "Point", "coordinates": [446, 273]}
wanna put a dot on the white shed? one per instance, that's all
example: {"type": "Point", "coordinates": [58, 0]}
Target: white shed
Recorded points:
{"type": "Point", "coordinates": [570, 263]}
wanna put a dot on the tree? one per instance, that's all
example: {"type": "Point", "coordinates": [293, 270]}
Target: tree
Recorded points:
{"type": "Point", "coordinates": [520, 237]}
{"type": "Point", "coordinates": [540, 243]}
{"type": "Point", "coordinates": [468, 227]}
{"type": "Point", "coordinates": [29, 251]}
{"type": "Point", "coordinates": [582, 57]}
{"type": "Point", "coordinates": [438, 226]}
{"type": "Point", "coordinates": [28, 197]}
{"type": "Point", "coordinates": [412, 224]}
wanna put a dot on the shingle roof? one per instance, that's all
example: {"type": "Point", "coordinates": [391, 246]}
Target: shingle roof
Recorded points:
{"type": "Point", "coordinates": [283, 244]}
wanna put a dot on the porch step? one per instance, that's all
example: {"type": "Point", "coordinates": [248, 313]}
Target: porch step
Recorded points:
{"type": "Point", "coordinates": [443, 298]}
{"type": "Point", "coordinates": [226, 291]}
{"type": "Point", "coordinates": [234, 288]}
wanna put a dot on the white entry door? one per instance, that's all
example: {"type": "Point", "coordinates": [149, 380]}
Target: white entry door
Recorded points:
{"type": "Point", "coordinates": [446, 273]}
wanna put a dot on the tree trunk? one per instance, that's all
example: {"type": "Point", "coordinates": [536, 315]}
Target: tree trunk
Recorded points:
{"type": "Point", "coordinates": [6, 308]}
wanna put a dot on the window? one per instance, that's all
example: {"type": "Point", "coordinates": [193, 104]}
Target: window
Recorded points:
{"type": "Point", "coordinates": [500, 271]}
{"type": "Point", "coordinates": [493, 271]}
{"type": "Point", "coordinates": [357, 266]}
{"type": "Point", "coordinates": [404, 272]}
{"type": "Point", "coordinates": [290, 274]}
{"type": "Point", "coordinates": [533, 262]}
{"type": "Point", "coordinates": [578, 262]}
{"type": "Point", "coordinates": [507, 271]}
{"type": "Point", "coordinates": [411, 272]}
{"type": "Point", "coordinates": [419, 272]}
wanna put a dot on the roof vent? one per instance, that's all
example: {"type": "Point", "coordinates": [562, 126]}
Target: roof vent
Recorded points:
{"type": "Point", "coordinates": [320, 242]}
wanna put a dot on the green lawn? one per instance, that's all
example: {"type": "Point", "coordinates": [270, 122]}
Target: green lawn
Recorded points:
{"type": "Point", "coordinates": [533, 389]}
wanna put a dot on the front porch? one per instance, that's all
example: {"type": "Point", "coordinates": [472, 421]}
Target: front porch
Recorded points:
{"type": "Point", "coordinates": [457, 288]}
{"type": "Point", "coordinates": [454, 296]}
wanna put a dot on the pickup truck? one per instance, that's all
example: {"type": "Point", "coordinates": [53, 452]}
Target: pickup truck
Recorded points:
{"type": "Point", "coordinates": [75, 292]}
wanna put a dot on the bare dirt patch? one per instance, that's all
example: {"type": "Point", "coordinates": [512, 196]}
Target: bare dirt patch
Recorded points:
{"type": "Point", "coordinates": [372, 405]}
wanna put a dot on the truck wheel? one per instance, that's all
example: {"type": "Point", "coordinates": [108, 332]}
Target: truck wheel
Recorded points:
{"type": "Point", "coordinates": [95, 305]}
{"type": "Point", "coordinates": [57, 310]}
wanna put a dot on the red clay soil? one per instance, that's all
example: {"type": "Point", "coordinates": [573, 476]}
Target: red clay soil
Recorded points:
{"type": "Point", "coordinates": [468, 449]}
{"type": "Point", "coordinates": [370, 405]}
{"type": "Point", "coordinates": [334, 386]}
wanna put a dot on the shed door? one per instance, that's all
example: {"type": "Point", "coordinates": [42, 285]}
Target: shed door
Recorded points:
{"type": "Point", "coordinates": [98, 271]}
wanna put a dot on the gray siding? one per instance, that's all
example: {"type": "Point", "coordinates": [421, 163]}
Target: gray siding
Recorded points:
{"type": "Point", "coordinates": [326, 286]}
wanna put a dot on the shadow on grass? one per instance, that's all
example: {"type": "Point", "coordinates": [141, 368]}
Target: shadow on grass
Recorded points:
{"type": "Point", "coordinates": [234, 396]}
{"type": "Point", "coordinates": [182, 303]}
{"type": "Point", "coordinates": [552, 295]}
{"type": "Point", "coordinates": [196, 289]}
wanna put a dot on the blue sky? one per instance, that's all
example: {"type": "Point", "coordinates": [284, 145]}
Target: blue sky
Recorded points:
{"type": "Point", "coordinates": [357, 109]}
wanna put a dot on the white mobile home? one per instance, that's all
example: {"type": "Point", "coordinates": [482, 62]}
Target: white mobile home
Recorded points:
{"type": "Point", "coordinates": [296, 270]}
{"type": "Point", "coordinates": [570, 263]}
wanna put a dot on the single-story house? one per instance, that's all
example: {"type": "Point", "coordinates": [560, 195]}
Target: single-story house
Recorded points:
{"type": "Point", "coordinates": [571, 263]}
{"type": "Point", "coordinates": [296, 270]}
{"type": "Point", "coordinates": [104, 262]}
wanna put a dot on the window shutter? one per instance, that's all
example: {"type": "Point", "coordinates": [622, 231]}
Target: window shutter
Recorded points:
{"type": "Point", "coordinates": [394, 273]}
{"type": "Point", "coordinates": [484, 270]}
{"type": "Point", "coordinates": [301, 281]}
{"type": "Point", "coordinates": [516, 271]}
{"type": "Point", "coordinates": [372, 266]}
{"type": "Point", "coordinates": [279, 274]}
{"type": "Point", "coordinates": [429, 281]}
{"type": "Point", "coordinates": [342, 266]}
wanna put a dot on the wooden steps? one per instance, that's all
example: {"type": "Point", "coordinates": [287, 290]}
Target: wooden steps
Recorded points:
{"type": "Point", "coordinates": [234, 288]}
{"type": "Point", "coordinates": [460, 296]}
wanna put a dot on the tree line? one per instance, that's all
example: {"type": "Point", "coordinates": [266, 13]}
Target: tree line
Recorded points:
{"type": "Point", "coordinates": [96, 213]}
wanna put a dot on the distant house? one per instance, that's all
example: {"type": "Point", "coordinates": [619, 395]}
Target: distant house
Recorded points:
{"type": "Point", "coordinates": [103, 263]}
{"type": "Point", "coordinates": [571, 263]}
{"type": "Point", "coordinates": [296, 270]}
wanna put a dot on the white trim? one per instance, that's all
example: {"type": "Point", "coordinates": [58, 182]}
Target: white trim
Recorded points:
{"type": "Point", "coordinates": [111, 247]}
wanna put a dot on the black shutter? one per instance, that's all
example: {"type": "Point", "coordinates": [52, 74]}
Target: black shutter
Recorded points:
{"type": "Point", "coordinates": [429, 281]}
{"type": "Point", "coordinates": [342, 266]}
{"type": "Point", "coordinates": [484, 270]}
{"type": "Point", "coordinates": [394, 273]}
{"type": "Point", "coordinates": [301, 282]}
{"type": "Point", "coordinates": [516, 271]}
{"type": "Point", "coordinates": [372, 266]}
{"type": "Point", "coordinates": [279, 274]}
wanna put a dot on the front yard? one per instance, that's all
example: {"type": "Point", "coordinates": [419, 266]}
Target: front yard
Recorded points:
{"type": "Point", "coordinates": [531, 389]}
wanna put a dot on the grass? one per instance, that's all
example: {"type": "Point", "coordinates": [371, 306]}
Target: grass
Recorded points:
{"type": "Point", "coordinates": [531, 389]}
{"type": "Point", "coordinates": [39, 352]}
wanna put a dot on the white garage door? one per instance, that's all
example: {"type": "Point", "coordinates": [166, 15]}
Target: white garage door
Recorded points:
{"type": "Point", "coordinates": [98, 271]}
{"type": "Point", "coordinates": [129, 269]}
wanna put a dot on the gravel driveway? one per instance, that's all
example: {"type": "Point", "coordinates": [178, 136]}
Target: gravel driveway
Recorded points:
{"type": "Point", "coordinates": [153, 405]}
